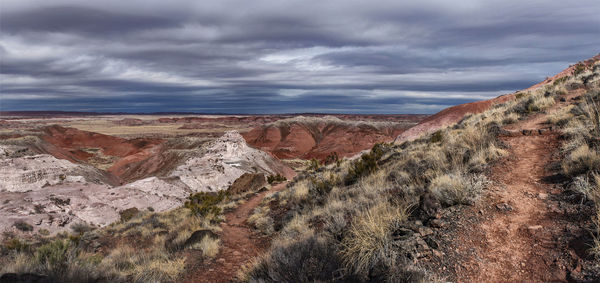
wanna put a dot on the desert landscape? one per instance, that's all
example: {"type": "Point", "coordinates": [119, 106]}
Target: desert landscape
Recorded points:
{"type": "Point", "coordinates": [336, 141]}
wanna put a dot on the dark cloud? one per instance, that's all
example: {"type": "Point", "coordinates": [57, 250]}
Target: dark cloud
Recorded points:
{"type": "Point", "coordinates": [279, 56]}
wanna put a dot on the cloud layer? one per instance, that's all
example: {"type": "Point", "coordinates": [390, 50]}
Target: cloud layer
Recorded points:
{"type": "Point", "coordinates": [283, 56]}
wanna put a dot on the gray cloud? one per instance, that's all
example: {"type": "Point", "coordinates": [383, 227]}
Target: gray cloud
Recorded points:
{"type": "Point", "coordinates": [283, 56]}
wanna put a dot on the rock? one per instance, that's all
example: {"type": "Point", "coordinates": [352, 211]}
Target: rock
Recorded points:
{"type": "Point", "coordinates": [534, 228]}
{"type": "Point", "coordinates": [247, 182]}
{"type": "Point", "coordinates": [542, 196]}
{"type": "Point", "coordinates": [504, 207]}
{"type": "Point", "coordinates": [198, 235]}
{"type": "Point", "coordinates": [424, 231]}
{"type": "Point", "coordinates": [436, 223]}
{"type": "Point", "coordinates": [221, 260]}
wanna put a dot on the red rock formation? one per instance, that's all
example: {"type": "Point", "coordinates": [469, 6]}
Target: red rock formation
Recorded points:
{"type": "Point", "coordinates": [312, 137]}
{"type": "Point", "coordinates": [74, 145]}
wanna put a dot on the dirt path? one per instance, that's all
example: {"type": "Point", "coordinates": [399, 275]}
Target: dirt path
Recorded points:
{"type": "Point", "coordinates": [521, 224]}
{"type": "Point", "coordinates": [239, 244]}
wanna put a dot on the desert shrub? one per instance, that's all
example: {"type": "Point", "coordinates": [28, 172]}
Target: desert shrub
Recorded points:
{"type": "Point", "coordinates": [332, 158]}
{"type": "Point", "coordinates": [456, 188]}
{"type": "Point", "coordinates": [308, 259]}
{"type": "Point", "coordinates": [369, 240]}
{"type": "Point", "coordinates": [592, 111]}
{"type": "Point", "coordinates": [436, 137]}
{"type": "Point", "coordinates": [532, 103]}
{"type": "Point", "coordinates": [367, 164]}
{"type": "Point", "coordinates": [204, 203]}
{"type": "Point", "coordinates": [23, 226]}
{"type": "Point", "coordinates": [561, 117]}
{"type": "Point", "coordinates": [80, 228]}
{"type": "Point", "coordinates": [314, 164]}
{"type": "Point", "coordinates": [261, 220]}
{"type": "Point", "coordinates": [128, 214]}
{"type": "Point", "coordinates": [581, 160]}
{"type": "Point", "coordinates": [54, 256]}
{"type": "Point", "coordinates": [15, 244]}
{"type": "Point", "coordinates": [276, 179]}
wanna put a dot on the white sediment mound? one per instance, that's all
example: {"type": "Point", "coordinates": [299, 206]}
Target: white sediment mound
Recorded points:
{"type": "Point", "coordinates": [223, 161]}
{"type": "Point", "coordinates": [52, 194]}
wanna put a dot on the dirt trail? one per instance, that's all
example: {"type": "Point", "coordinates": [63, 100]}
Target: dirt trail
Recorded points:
{"type": "Point", "coordinates": [520, 226]}
{"type": "Point", "coordinates": [239, 244]}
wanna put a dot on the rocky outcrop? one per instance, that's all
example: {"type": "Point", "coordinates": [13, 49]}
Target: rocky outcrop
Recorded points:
{"type": "Point", "coordinates": [247, 182]}
{"type": "Point", "coordinates": [317, 137]}
{"type": "Point", "coordinates": [223, 161]}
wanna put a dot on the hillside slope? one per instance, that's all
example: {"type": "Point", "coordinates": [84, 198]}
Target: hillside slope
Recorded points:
{"type": "Point", "coordinates": [317, 137]}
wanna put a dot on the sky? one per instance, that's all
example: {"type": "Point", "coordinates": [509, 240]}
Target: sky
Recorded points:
{"type": "Point", "coordinates": [317, 56]}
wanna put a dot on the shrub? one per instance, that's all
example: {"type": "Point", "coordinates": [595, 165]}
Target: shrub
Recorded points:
{"type": "Point", "coordinates": [366, 165]}
{"type": "Point", "coordinates": [81, 228]}
{"type": "Point", "coordinates": [276, 179]}
{"type": "Point", "coordinates": [456, 188]}
{"type": "Point", "coordinates": [436, 137]}
{"type": "Point", "coordinates": [580, 161]}
{"type": "Point", "coordinates": [314, 164]}
{"type": "Point", "coordinates": [308, 259]}
{"type": "Point", "coordinates": [204, 203]}
{"type": "Point", "coordinates": [54, 256]}
{"type": "Point", "coordinates": [15, 244]}
{"type": "Point", "coordinates": [23, 226]}
{"type": "Point", "coordinates": [331, 158]}
{"type": "Point", "coordinates": [128, 214]}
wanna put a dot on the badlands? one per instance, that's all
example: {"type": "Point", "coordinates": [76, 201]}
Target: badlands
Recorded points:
{"type": "Point", "coordinates": [59, 169]}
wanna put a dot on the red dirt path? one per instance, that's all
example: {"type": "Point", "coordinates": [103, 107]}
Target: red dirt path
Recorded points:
{"type": "Point", "coordinates": [239, 244]}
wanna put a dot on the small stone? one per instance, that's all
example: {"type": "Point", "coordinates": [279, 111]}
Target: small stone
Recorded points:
{"type": "Point", "coordinates": [419, 223]}
{"type": "Point", "coordinates": [542, 196]}
{"type": "Point", "coordinates": [424, 231]}
{"type": "Point", "coordinates": [534, 228]}
{"type": "Point", "coordinates": [437, 253]}
{"type": "Point", "coordinates": [221, 260]}
{"type": "Point", "coordinates": [236, 253]}
{"type": "Point", "coordinates": [437, 223]}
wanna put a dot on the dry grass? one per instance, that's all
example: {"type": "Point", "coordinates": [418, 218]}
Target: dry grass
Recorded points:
{"type": "Point", "coordinates": [581, 160]}
{"type": "Point", "coordinates": [368, 241]}
{"type": "Point", "coordinates": [208, 246]}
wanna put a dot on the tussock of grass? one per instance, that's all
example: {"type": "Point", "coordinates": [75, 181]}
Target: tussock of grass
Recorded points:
{"type": "Point", "coordinates": [581, 160]}
{"type": "Point", "coordinates": [456, 188]}
{"type": "Point", "coordinates": [208, 246]}
{"type": "Point", "coordinates": [368, 242]}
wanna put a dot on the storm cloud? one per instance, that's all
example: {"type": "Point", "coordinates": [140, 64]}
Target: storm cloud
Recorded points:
{"type": "Point", "coordinates": [335, 56]}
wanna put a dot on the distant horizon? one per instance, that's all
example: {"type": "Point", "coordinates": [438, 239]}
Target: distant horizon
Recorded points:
{"type": "Point", "coordinates": [58, 112]}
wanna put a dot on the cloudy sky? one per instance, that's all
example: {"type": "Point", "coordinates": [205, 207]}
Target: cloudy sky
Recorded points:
{"type": "Point", "coordinates": [283, 56]}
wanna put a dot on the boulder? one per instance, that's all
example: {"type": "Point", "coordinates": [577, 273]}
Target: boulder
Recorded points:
{"type": "Point", "coordinates": [247, 182]}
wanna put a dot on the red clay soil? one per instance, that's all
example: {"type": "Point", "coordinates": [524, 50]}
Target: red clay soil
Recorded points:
{"type": "Point", "coordinates": [450, 116]}
{"type": "Point", "coordinates": [307, 140]}
{"type": "Point", "coordinates": [70, 144]}
{"type": "Point", "coordinates": [239, 244]}
{"type": "Point", "coordinates": [518, 243]}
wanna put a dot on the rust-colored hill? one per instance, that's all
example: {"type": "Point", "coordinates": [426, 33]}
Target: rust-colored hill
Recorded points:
{"type": "Point", "coordinates": [454, 114]}
{"type": "Point", "coordinates": [117, 155]}
{"type": "Point", "coordinates": [317, 137]}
